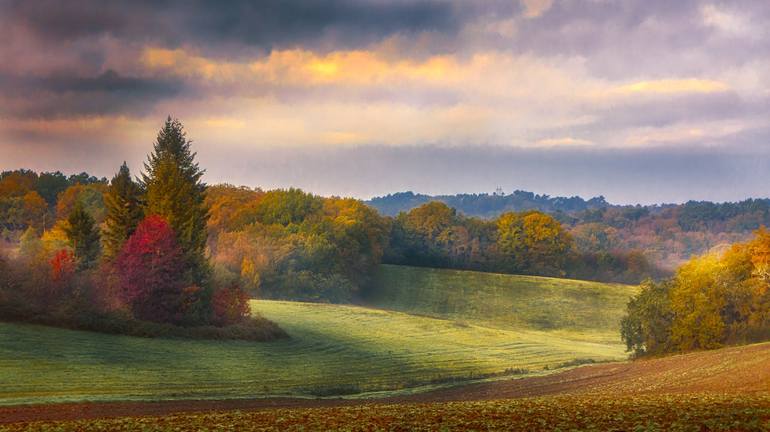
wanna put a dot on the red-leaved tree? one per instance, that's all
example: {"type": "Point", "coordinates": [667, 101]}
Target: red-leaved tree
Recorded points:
{"type": "Point", "coordinates": [150, 268]}
{"type": "Point", "coordinates": [62, 266]}
{"type": "Point", "coordinates": [231, 305]}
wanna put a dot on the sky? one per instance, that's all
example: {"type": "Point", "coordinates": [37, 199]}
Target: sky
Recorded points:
{"type": "Point", "coordinates": [639, 101]}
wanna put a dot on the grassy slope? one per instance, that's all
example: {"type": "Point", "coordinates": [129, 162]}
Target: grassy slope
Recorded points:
{"type": "Point", "coordinates": [334, 349]}
{"type": "Point", "coordinates": [580, 309]}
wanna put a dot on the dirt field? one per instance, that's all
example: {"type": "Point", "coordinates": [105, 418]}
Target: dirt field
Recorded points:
{"type": "Point", "coordinates": [732, 371]}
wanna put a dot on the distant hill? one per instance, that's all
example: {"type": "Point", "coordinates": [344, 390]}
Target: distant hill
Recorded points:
{"type": "Point", "coordinates": [487, 205]}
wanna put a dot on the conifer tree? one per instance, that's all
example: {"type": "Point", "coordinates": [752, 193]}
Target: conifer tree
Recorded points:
{"type": "Point", "coordinates": [83, 236]}
{"type": "Point", "coordinates": [174, 191]}
{"type": "Point", "coordinates": [124, 211]}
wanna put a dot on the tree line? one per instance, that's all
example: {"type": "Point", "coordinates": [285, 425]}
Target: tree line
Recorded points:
{"type": "Point", "coordinates": [527, 242]}
{"type": "Point", "coordinates": [666, 234]}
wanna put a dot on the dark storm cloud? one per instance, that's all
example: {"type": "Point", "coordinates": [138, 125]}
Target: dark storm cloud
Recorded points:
{"type": "Point", "coordinates": [65, 96]}
{"type": "Point", "coordinates": [265, 24]}
{"type": "Point", "coordinates": [83, 37]}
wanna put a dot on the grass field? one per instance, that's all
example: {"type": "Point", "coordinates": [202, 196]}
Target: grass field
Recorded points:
{"type": "Point", "coordinates": [503, 301]}
{"type": "Point", "coordinates": [333, 350]}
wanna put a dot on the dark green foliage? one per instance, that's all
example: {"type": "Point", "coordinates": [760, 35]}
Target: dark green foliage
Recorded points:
{"type": "Point", "coordinates": [83, 236]}
{"type": "Point", "coordinates": [50, 185]}
{"type": "Point", "coordinates": [174, 191]}
{"type": "Point", "coordinates": [286, 207]}
{"type": "Point", "coordinates": [85, 179]}
{"type": "Point", "coordinates": [124, 211]}
{"type": "Point", "coordinates": [646, 329]}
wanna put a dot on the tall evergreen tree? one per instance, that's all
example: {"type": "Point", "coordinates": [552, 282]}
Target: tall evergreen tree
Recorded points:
{"type": "Point", "coordinates": [174, 191]}
{"type": "Point", "coordinates": [83, 236]}
{"type": "Point", "coordinates": [124, 211]}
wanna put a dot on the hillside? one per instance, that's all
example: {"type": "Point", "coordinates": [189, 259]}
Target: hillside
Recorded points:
{"type": "Point", "coordinates": [503, 301]}
{"type": "Point", "coordinates": [334, 350]}
{"type": "Point", "coordinates": [487, 205]}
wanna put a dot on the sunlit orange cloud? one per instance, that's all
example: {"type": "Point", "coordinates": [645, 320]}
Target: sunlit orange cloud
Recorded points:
{"type": "Point", "coordinates": [563, 141]}
{"type": "Point", "coordinates": [672, 86]}
{"type": "Point", "coordinates": [303, 67]}
{"type": "Point", "coordinates": [686, 133]}
{"type": "Point", "coordinates": [75, 127]}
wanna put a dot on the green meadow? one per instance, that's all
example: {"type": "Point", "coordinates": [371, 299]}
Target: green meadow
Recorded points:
{"type": "Point", "coordinates": [425, 328]}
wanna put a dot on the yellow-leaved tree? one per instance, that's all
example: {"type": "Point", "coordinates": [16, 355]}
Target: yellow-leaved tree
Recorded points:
{"type": "Point", "coordinates": [697, 299]}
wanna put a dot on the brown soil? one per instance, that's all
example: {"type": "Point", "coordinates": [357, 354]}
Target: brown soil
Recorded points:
{"type": "Point", "coordinates": [736, 370]}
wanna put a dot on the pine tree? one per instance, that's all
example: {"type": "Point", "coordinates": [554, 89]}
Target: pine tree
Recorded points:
{"type": "Point", "coordinates": [174, 191]}
{"type": "Point", "coordinates": [124, 211]}
{"type": "Point", "coordinates": [83, 236]}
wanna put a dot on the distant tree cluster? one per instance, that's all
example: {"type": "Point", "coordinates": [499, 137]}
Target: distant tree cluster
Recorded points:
{"type": "Point", "coordinates": [666, 235]}
{"type": "Point", "coordinates": [293, 245]}
{"type": "Point", "coordinates": [529, 242]}
{"type": "Point", "coordinates": [711, 301]}
{"type": "Point", "coordinates": [29, 199]}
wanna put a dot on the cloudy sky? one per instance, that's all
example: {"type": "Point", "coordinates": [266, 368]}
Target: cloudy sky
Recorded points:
{"type": "Point", "coordinates": [639, 101]}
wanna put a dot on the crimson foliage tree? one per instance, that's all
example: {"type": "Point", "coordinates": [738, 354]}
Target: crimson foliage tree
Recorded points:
{"type": "Point", "coordinates": [149, 267]}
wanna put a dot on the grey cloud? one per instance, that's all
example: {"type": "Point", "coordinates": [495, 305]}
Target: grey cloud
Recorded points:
{"type": "Point", "coordinates": [220, 26]}
{"type": "Point", "coordinates": [68, 96]}
{"type": "Point", "coordinates": [665, 111]}
{"type": "Point", "coordinates": [628, 38]}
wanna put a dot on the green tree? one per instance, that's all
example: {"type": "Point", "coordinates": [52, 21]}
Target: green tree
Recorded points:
{"type": "Point", "coordinates": [50, 185]}
{"type": "Point", "coordinates": [646, 328]}
{"type": "Point", "coordinates": [284, 207]}
{"type": "Point", "coordinates": [83, 236]}
{"type": "Point", "coordinates": [124, 211]}
{"type": "Point", "coordinates": [174, 191]}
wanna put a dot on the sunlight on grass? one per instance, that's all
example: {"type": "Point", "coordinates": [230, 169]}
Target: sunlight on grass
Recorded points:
{"type": "Point", "coordinates": [333, 350]}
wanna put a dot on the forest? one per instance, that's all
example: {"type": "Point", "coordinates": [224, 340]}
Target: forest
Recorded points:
{"type": "Point", "coordinates": [163, 247]}
{"type": "Point", "coordinates": [667, 234]}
